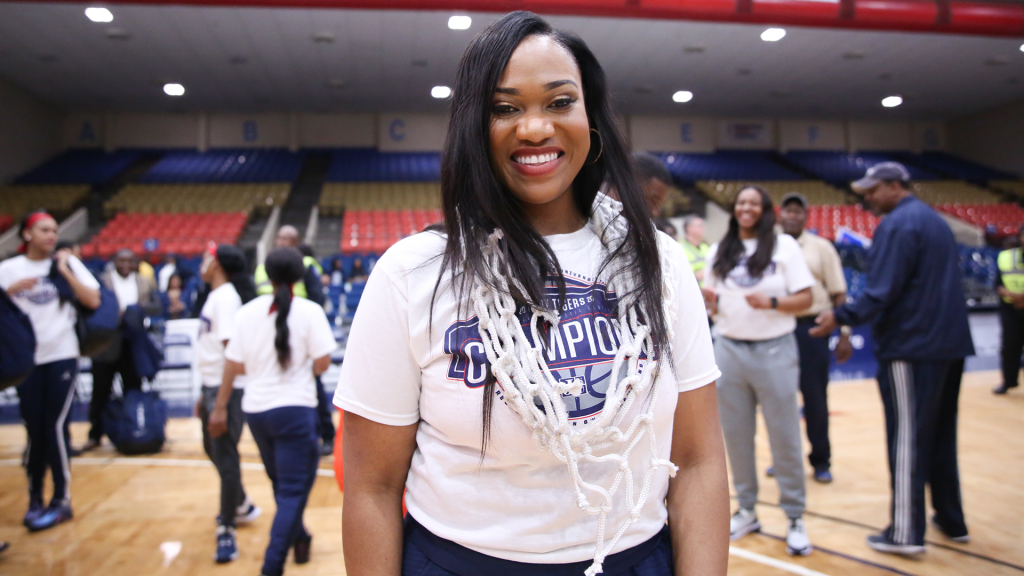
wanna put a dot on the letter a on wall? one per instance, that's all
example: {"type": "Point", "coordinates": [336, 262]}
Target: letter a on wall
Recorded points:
{"type": "Point", "coordinates": [250, 131]}
{"type": "Point", "coordinates": [87, 135]}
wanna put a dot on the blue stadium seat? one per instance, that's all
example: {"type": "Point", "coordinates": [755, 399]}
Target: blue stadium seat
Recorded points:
{"type": "Point", "coordinates": [81, 166]}
{"type": "Point", "coordinates": [368, 165]}
{"type": "Point", "coordinates": [726, 165]}
{"type": "Point", "coordinates": [227, 165]}
{"type": "Point", "coordinates": [843, 167]}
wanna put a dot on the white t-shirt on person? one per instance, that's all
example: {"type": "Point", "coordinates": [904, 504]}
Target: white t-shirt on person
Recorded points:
{"type": "Point", "coordinates": [216, 324]}
{"type": "Point", "coordinates": [787, 274]}
{"type": "Point", "coordinates": [517, 502]}
{"type": "Point", "coordinates": [267, 386]}
{"type": "Point", "coordinates": [52, 322]}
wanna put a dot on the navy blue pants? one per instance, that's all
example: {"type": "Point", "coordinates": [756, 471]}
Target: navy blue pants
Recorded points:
{"type": "Point", "coordinates": [814, 360]}
{"type": "Point", "coordinates": [44, 399]}
{"type": "Point", "coordinates": [287, 440]}
{"type": "Point", "coordinates": [324, 424]}
{"type": "Point", "coordinates": [424, 553]}
{"type": "Point", "coordinates": [920, 399]}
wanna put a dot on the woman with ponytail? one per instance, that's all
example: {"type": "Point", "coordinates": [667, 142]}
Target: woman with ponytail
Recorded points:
{"type": "Point", "coordinates": [532, 378]}
{"type": "Point", "coordinates": [224, 269]}
{"type": "Point", "coordinates": [44, 398]}
{"type": "Point", "coordinates": [278, 343]}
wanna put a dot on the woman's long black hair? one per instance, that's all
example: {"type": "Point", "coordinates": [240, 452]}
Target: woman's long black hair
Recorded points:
{"type": "Point", "coordinates": [232, 261]}
{"type": "Point", "coordinates": [731, 250]}
{"type": "Point", "coordinates": [284, 268]}
{"type": "Point", "coordinates": [475, 201]}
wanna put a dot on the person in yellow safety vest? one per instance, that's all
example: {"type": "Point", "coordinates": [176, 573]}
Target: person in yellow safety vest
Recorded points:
{"type": "Point", "coordinates": [1010, 286]}
{"type": "Point", "coordinates": [310, 289]}
{"type": "Point", "coordinates": [695, 247]}
{"type": "Point", "coordinates": [288, 237]}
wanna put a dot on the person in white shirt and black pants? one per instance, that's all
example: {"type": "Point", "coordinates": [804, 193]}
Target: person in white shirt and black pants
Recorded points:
{"type": "Point", "coordinates": [45, 396]}
{"type": "Point", "coordinates": [279, 343]}
{"type": "Point", "coordinates": [224, 269]}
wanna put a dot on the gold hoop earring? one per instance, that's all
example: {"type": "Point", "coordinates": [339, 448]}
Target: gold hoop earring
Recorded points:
{"type": "Point", "coordinates": [601, 140]}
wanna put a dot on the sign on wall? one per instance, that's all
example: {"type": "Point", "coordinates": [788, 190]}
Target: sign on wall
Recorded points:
{"type": "Point", "coordinates": [812, 135]}
{"type": "Point", "coordinates": [411, 132]}
{"type": "Point", "coordinates": [84, 131]}
{"type": "Point", "coordinates": [756, 134]}
{"type": "Point", "coordinates": [672, 134]}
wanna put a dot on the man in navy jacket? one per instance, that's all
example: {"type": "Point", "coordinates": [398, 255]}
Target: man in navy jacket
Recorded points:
{"type": "Point", "coordinates": [915, 300]}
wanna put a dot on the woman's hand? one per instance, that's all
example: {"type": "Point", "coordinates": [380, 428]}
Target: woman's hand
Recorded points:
{"type": "Point", "coordinates": [21, 286]}
{"type": "Point", "coordinates": [62, 262]}
{"type": "Point", "coordinates": [759, 301]}
{"type": "Point", "coordinates": [218, 421]}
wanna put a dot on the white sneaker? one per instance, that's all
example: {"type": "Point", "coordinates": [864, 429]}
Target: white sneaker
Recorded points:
{"type": "Point", "coordinates": [743, 522]}
{"type": "Point", "coordinates": [247, 512]}
{"type": "Point", "coordinates": [797, 542]}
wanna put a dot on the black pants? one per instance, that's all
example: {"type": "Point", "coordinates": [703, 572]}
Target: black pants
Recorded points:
{"type": "Point", "coordinates": [814, 361]}
{"type": "Point", "coordinates": [223, 451]}
{"type": "Point", "coordinates": [1012, 321]}
{"type": "Point", "coordinates": [103, 383]}
{"type": "Point", "coordinates": [920, 399]}
{"type": "Point", "coordinates": [324, 424]}
{"type": "Point", "coordinates": [44, 399]}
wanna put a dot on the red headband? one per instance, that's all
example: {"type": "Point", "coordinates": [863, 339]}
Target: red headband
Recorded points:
{"type": "Point", "coordinates": [273, 305]}
{"type": "Point", "coordinates": [32, 221]}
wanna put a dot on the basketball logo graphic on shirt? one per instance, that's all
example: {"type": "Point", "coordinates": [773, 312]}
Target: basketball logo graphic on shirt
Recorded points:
{"type": "Point", "coordinates": [43, 292]}
{"type": "Point", "coordinates": [580, 350]}
{"type": "Point", "coordinates": [742, 278]}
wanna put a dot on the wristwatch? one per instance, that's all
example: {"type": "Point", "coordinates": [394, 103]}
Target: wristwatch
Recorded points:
{"type": "Point", "coordinates": [775, 303]}
{"type": "Point", "coordinates": [845, 330]}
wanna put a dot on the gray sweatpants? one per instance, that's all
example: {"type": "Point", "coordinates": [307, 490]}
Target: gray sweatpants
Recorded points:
{"type": "Point", "coordinates": [223, 451]}
{"type": "Point", "coordinates": [767, 373]}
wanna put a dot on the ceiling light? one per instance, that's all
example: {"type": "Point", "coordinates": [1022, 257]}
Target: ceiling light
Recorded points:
{"type": "Point", "coordinates": [682, 96]}
{"type": "Point", "coordinates": [440, 91]}
{"type": "Point", "coordinates": [174, 89]}
{"type": "Point", "coordinates": [773, 34]}
{"type": "Point", "coordinates": [892, 101]}
{"type": "Point", "coordinates": [460, 22]}
{"type": "Point", "coordinates": [1022, 47]}
{"type": "Point", "coordinates": [99, 15]}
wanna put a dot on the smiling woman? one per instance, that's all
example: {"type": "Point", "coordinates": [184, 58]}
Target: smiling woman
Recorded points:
{"type": "Point", "coordinates": [532, 378]}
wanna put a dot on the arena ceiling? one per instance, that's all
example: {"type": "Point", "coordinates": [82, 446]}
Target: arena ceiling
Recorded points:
{"type": "Point", "coordinates": [332, 60]}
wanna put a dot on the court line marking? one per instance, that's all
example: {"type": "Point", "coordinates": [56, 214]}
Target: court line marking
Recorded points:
{"type": "Point", "coordinates": [178, 462]}
{"type": "Point", "coordinates": [773, 562]}
{"type": "Point", "coordinates": [183, 463]}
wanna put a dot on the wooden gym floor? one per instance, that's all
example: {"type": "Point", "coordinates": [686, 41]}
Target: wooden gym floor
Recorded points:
{"type": "Point", "coordinates": [156, 515]}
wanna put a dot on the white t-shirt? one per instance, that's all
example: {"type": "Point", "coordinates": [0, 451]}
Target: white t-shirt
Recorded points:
{"type": "Point", "coordinates": [126, 288]}
{"type": "Point", "coordinates": [53, 323]}
{"type": "Point", "coordinates": [518, 502]}
{"type": "Point", "coordinates": [164, 277]}
{"type": "Point", "coordinates": [216, 324]}
{"type": "Point", "coordinates": [787, 274]}
{"type": "Point", "coordinates": [252, 344]}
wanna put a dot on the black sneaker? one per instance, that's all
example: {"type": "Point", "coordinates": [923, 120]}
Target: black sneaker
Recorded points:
{"type": "Point", "coordinates": [35, 510]}
{"type": "Point", "coordinates": [822, 476]}
{"type": "Point", "coordinates": [964, 538]}
{"type": "Point", "coordinates": [56, 513]}
{"type": "Point", "coordinates": [302, 546]}
{"type": "Point", "coordinates": [880, 543]}
{"type": "Point", "coordinates": [1002, 388]}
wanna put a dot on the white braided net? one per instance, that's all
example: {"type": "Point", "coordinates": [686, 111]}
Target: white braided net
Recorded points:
{"type": "Point", "coordinates": [530, 389]}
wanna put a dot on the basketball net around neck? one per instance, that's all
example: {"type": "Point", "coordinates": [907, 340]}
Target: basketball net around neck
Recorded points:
{"type": "Point", "coordinates": [518, 363]}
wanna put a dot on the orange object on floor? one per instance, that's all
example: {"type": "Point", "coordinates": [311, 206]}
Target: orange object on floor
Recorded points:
{"type": "Point", "coordinates": [339, 465]}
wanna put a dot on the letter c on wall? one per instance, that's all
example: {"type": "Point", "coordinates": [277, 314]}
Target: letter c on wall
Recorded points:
{"type": "Point", "coordinates": [397, 130]}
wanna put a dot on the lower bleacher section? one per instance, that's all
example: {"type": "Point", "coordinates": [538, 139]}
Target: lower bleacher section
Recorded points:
{"type": "Point", "coordinates": [159, 234]}
{"type": "Point", "coordinates": [58, 199]}
{"type": "Point", "coordinates": [187, 198]}
{"type": "Point", "coordinates": [1003, 219]}
{"type": "Point", "coordinates": [1014, 188]}
{"type": "Point", "coordinates": [374, 231]}
{"type": "Point", "coordinates": [817, 192]}
{"type": "Point", "coordinates": [337, 197]}
{"type": "Point", "coordinates": [827, 221]}
{"type": "Point", "coordinates": [953, 191]}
